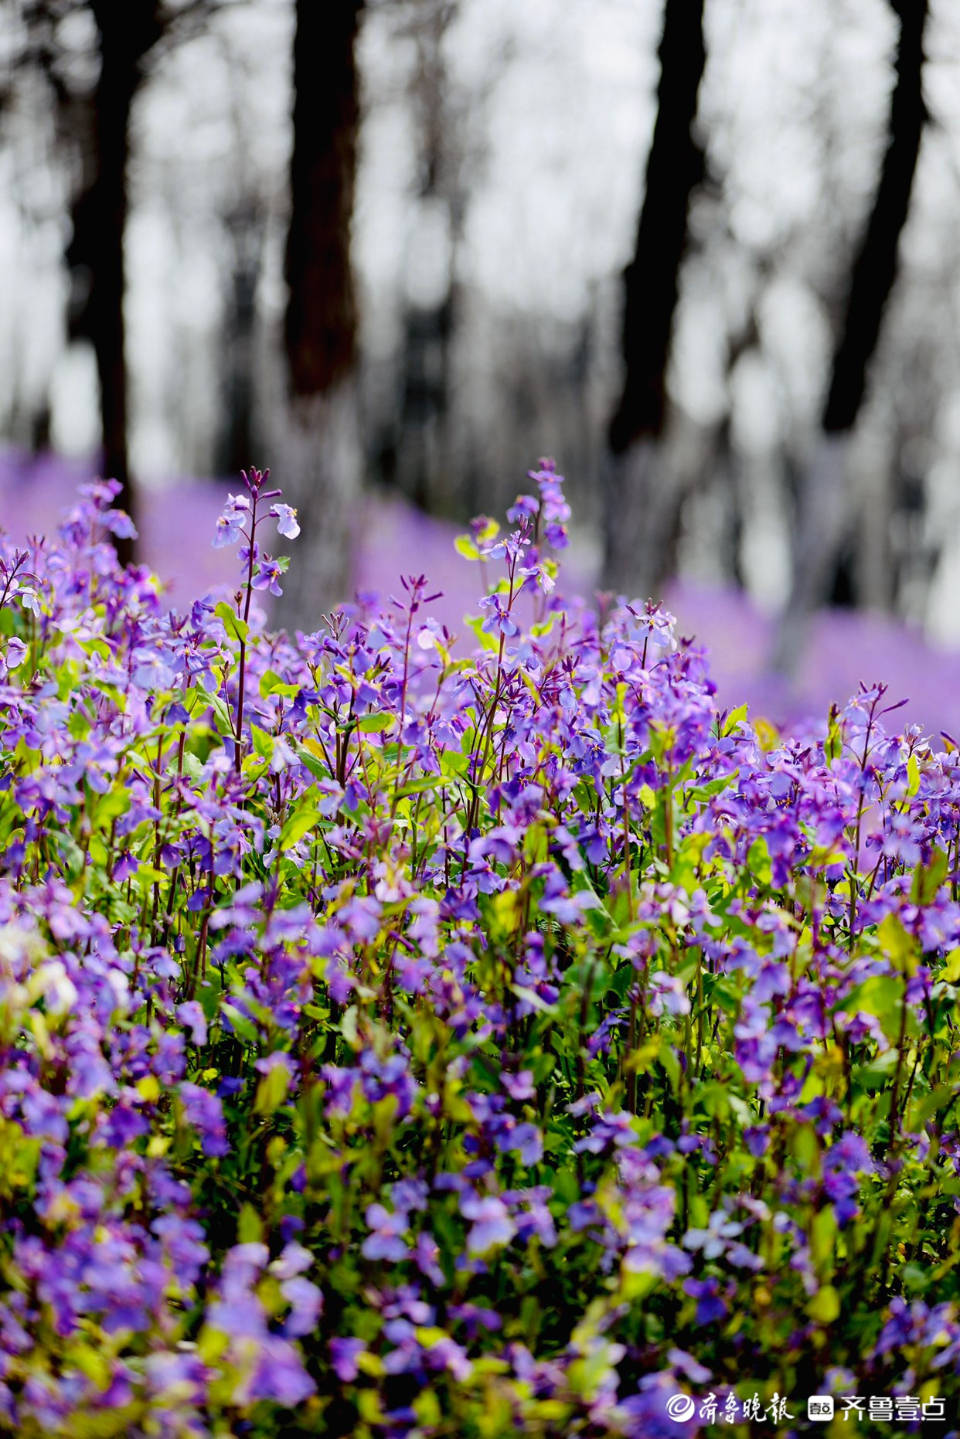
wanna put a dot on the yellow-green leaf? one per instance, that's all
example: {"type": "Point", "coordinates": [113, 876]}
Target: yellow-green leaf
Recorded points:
{"type": "Point", "coordinates": [825, 1305]}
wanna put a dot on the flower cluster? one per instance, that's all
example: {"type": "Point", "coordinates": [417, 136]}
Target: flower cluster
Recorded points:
{"type": "Point", "coordinates": [403, 1039]}
{"type": "Point", "coordinates": [239, 520]}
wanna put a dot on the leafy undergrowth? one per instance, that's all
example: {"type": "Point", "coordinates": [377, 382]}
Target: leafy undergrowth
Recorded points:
{"type": "Point", "coordinates": [396, 1043]}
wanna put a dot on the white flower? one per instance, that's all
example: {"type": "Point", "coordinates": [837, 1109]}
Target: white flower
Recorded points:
{"type": "Point", "coordinates": [282, 756]}
{"type": "Point", "coordinates": [56, 986]}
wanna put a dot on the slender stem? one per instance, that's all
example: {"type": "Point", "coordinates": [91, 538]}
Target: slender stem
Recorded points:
{"type": "Point", "coordinates": [241, 675]}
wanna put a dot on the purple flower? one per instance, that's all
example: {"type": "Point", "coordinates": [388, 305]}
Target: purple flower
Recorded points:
{"type": "Point", "coordinates": [667, 994]}
{"type": "Point", "coordinates": [292, 1261]}
{"type": "Point", "coordinates": [205, 1112]}
{"type": "Point", "coordinates": [118, 523]}
{"type": "Point", "coordinates": [710, 1307]}
{"type": "Point", "coordinates": [267, 576]}
{"type": "Point", "coordinates": [523, 1139]}
{"type": "Point", "coordinates": [426, 1256]}
{"type": "Point", "coordinates": [192, 1016]}
{"type": "Point", "coordinates": [231, 521]}
{"type": "Point", "coordinates": [343, 1357]}
{"type": "Point", "coordinates": [519, 1086]}
{"type": "Point", "coordinates": [492, 1225]}
{"type": "Point", "coordinates": [306, 1304]}
{"type": "Point", "coordinates": [385, 1241]}
{"type": "Point", "coordinates": [280, 1374]}
{"type": "Point", "coordinates": [286, 518]}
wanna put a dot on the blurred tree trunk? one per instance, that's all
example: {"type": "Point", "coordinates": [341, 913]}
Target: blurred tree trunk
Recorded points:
{"type": "Point", "coordinates": [424, 446]}
{"type": "Point", "coordinates": [639, 506]}
{"type": "Point", "coordinates": [238, 440]}
{"type": "Point", "coordinates": [823, 511]}
{"type": "Point", "coordinates": [320, 447]}
{"type": "Point", "coordinates": [424, 441]}
{"type": "Point", "coordinates": [95, 253]}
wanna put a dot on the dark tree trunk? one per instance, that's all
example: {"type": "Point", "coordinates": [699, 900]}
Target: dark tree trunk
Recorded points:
{"type": "Point", "coordinates": [651, 280]}
{"type": "Point", "coordinates": [96, 250]}
{"type": "Point", "coordinates": [821, 559]}
{"type": "Point", "coordinates": [318, 452]}
{"type": "Point", "coordinates": [651, 285]}
{"type": "Point", "coordinates": [427, 470]}
{"type": "Point", "coordinates": [875, 266]}
{"type": "Point", "coordinates": [119, 76]}
{"type": "Point", "coordinates": [425, 401]}
{"type": "Point", "coordinates": [320, 325]}
{"type": "Point", "coordinates": [238, 439]}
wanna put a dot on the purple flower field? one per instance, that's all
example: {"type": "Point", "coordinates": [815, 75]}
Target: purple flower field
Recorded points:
{"type": "Point", "coordinates": [844, 647]}
{"type": "Point", "coordinates": [402, 1039]}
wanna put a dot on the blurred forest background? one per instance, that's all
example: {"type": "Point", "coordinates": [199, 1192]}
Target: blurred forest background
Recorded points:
{"type": "Point", "coordinates": [703, 252]}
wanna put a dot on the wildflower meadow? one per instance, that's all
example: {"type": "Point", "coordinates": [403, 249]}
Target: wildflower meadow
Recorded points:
{"type": "Point", "coordinates": [410, 1034]}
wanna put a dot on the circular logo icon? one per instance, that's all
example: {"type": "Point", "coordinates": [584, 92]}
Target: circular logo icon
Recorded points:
{"type": "Point", "coordinates": [680, 1407]}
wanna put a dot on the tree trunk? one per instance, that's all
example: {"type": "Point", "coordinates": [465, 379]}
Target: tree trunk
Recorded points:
{"type": "Point", "coordinates": [651, 286]}
{"type": "Point", "coordinates": [425, 449]}
{"type": "Point", "coordinates": [321, 438]}
{"type": "Point", "coordinates": [818, 539]}
{"type": "Point", "coordinates": [824, 517]}
{"type": "Point", "coordinates": [237, 439]}
{"type": "Point", "coordinates": [96, 249]}
{"type": "Point", "coordinates": [875, 266]}
{"type": "Point", "coordinates": [119, 76]}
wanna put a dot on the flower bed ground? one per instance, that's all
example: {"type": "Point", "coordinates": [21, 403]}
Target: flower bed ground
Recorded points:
{"type": "Point", "coordinates": [404, 1042]}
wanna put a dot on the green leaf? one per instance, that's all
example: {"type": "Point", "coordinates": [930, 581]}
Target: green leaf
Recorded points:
{"type": "Point", "coordinates": [915, 1277]}
{"type": "Point", "coordinates": [899, 946]}
{"type": "Point", "coordinates": [927, 879]}
{"type": "Point", "coordinates": [420, 786]}
{"type": "Point", "coordinates": [735, 719]}
{"type": "Point", "coordinates": [222, 713]}
{"type": "Point", "coordinates": [485, 640]}
{"type": "Point", "coordinates": [234, 626]}
{"type": "Point", "coordinates": [240, 1024]}
{"type": "Point", "coordinates": [825, 1305]}
{"type": "Point", "coordinates": [299, 824]}
{"type": "Point", "coordinates": [272, 684]}
{"type": "Point", "coordinates": [263, 743]}
{"type": "Point", "coordinates": [671, 1065]}
{"type": "Point", "coordinates": [923, 1109]}
{"type": "Point", "coordinates": [713, 1097]}
{"type": "Point", "coordinates": [249, 1225]}
{"type": "Point", "coordinates": [721, 990]}
{"type": "Point", "coordinates": [454, 764]}
{"type": "Point", "coordinates": [823, 1233]}
{"type": "Point", "coordinates": [313, 762]}
{"type": "Point", "coordinates": [805, 1148]}
{"type": "Point", "coordinates": [272, 1089]}
{"type": "Point", "coordinates": [880, 995]}
{"type": "Point", "coordinates": [875, 1075]}
{"type": "Point", "coordinates": [740, 1109]}
{"type": "Point", "coordinates": [375, 723]}
{"type": "Point", "coordinates": [349, 1028]}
